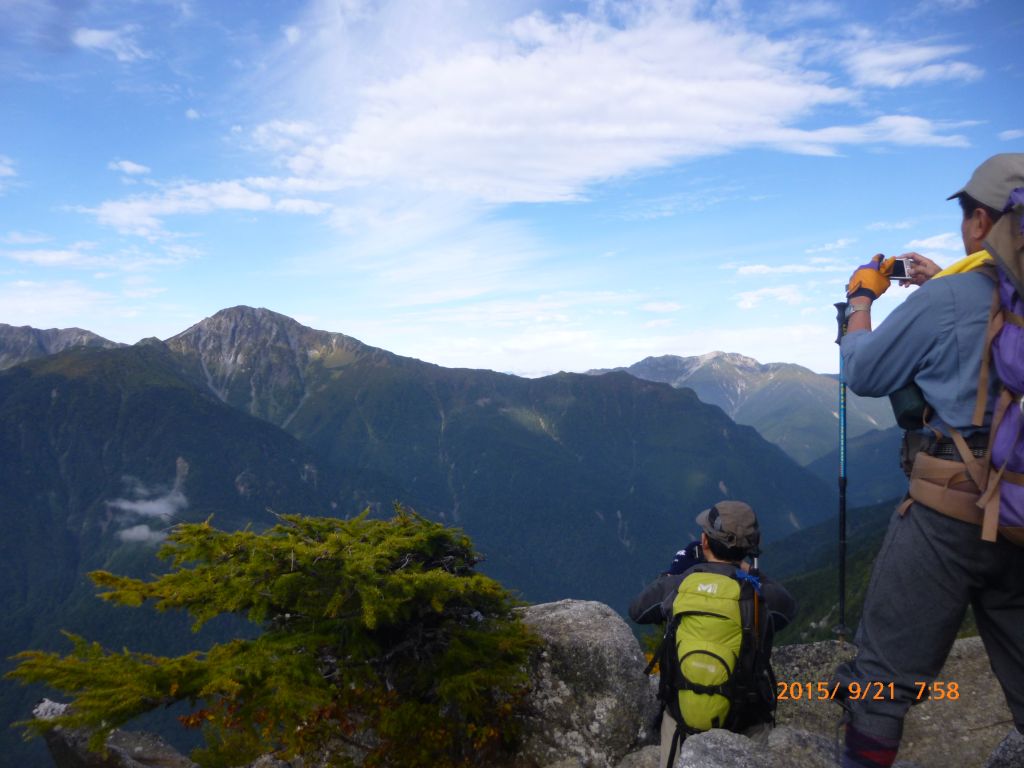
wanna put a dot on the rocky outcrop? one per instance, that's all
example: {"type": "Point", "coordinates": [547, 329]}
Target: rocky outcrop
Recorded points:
{"type": "Point", "coordinates": [591, 703]}
{"type": "Point", "coordinates": [592, 707]}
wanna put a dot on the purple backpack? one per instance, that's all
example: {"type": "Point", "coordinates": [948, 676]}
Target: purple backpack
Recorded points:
{"type": "Point", "coordinates": [1003, 493]}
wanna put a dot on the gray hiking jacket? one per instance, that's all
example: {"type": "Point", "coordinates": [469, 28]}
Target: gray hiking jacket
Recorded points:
{"type": "Point", "coordinates": [934, 338]}
{"type": "Point", "coordinates": [654, 604]}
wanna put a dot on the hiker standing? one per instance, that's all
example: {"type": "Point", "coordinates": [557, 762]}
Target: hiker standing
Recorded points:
{"type": "Point", "coordinates": [722, 616]}
{"type": "Point", "coordinates": [934, 562]}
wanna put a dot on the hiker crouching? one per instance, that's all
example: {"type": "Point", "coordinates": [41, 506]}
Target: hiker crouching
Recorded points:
{"type": "Point", "coordinates": [721, 618]}
{"type": "Point", "coordinates": [941, 553]}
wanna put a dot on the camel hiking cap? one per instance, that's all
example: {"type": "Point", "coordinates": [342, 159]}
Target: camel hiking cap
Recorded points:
{"type": "Point", "coordinates": [994, 180]}
{"type": "Point", "coordinates": [733, 523]}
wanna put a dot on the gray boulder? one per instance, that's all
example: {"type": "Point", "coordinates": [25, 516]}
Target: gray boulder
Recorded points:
{"type": "Point", "coordinates": [125, 749]}
{"type": "Point", "coordinates": [1009, 753]}
{"type": "Point", "coordinates": [591, 703]}
{"type": "Point", "coordinates": [716, 749]}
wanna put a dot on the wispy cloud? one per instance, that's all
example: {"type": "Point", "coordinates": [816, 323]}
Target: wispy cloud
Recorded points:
{"type": "Point", "coordinates": [163, 506]}
{"type": "Point", "coordinates": [7, 171]}
{"type": "Point", "coordinates": [77, 254]}
{"type": "Point", "coordinates": [776, 269]}
{"type": "Point", "coordinates": [143, 215]}
{"type": "Point", "coordinates": [153, 503]}
{"type": "Point", "coordinates": [887, 225]}
{"type": "Point", "coordinates": [119, 42]}
{"type": "Point", "coordinates": [785, 294]}
{"type": "Point", "coordinates": [1011, 135]}
{"type": "Point", "coordinates": [127, 166]}
{"type": "Point", "coordinates": [582, 99]}
{"type": "Point", "coordinates": [896, 65]}
{"type": "Point", "coordinates": [89, 255]}
{"type": "Point", "coordinates": [947, 241]}
{"type": "Point", "coordinates": [141, 534]}
{"type": "Point", "coordinates": [837, 245]}
{"type": "Point", "coordinates": [23, 238]}
{"type": "Point", "coordinates": [192, 114]}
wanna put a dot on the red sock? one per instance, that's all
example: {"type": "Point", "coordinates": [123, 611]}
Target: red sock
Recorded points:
{"type": "Point", "coordinates": [867, 751]}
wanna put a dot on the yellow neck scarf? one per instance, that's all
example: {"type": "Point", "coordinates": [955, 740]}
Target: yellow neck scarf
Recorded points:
{"type": "Point", "coordinates": [966, 264]}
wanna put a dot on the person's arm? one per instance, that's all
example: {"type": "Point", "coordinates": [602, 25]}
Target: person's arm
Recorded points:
{"type": "Point", "coordinates": [782, 606]}
{"type": "Point", "coordinates": [646, 607]}
{"type": "Point", "coordinates": [921, 269]}
{"type": "Point", "coordinates": [878, 361]}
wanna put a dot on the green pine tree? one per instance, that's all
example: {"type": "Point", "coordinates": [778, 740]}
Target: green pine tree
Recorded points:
{"type": "Point", "coordinates": [381, 646]}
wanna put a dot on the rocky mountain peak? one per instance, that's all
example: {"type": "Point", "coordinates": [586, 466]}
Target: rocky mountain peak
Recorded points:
{"type": "Point", "coordinates": [732, 358]}
{"type": "Point", "coordinates": [260, 361]}
{"type": "Point", "coordinates": [19, 344]}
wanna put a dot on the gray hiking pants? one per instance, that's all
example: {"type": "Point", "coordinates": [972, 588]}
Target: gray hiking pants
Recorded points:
{"type": "Point", "coordinates": [930, 568]}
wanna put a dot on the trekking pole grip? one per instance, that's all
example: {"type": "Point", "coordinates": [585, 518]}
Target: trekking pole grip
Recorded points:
{"type": "Point", "coordinates": [840, 320]}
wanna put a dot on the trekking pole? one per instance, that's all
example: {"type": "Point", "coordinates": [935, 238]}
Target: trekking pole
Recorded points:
{"type": "Point", "coordinates": [841, 629]}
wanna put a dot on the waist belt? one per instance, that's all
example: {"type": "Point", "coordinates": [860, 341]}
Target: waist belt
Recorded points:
{"type": "Point", "coordinates": [946, 449]}
{"type": "Point", "coordinates": [946, 487]}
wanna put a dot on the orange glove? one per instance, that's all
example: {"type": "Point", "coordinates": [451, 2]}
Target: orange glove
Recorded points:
{"type": "Point", "coordinates": [871, 279]}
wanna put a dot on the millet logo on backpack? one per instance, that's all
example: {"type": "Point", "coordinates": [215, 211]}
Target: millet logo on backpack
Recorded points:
{"type": "Point", "coordinates": [710, 589]}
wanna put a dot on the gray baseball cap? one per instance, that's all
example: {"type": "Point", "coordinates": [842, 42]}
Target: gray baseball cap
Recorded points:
{"type": "Point", "coordinates": [733, 523]}
{"type": "Point", "coordinates": [994, 180]}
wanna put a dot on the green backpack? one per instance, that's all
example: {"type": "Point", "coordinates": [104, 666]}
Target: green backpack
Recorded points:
{"type": "Point", "coordinates": [714, 659]}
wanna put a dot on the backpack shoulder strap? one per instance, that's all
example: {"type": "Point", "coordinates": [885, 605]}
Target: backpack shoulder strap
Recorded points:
{"type": "Point", "coordinates": [995, 324]}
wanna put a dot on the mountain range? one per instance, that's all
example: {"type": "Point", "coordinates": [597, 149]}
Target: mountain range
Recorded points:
{"type": "Point", "coordinates": [788, 404]}
{"type": "Point", "coordinates": [21, 343]}
{"type": "Point", "coordinates": [570, 485]}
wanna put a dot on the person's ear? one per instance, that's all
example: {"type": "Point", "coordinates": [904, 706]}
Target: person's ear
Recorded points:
{"type": "Point", "coordinates": [979, 224]}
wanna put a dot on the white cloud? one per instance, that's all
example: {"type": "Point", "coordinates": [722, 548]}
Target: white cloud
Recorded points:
{"type": "Point", "coordinates": [87, 255]}
{"type": "Point", "coordinates": [903, 130]}
{"type": "Point", "coordinates": [141, 534]}
{"type": "Point", "coordinates": [781, 269]}
{"type": "Point", "coordinates": [791, 14]}
{"type": "Point", "coordinates": [192, 114]}
{"type": "Point", "coordinates": [786, 294]}
{"type": "Point", "coordinates": [887, 225]}
{"type": "Point", "coordinates": [23, 238]}
{"type": "Point", "coordinates": [896, 65]}
{"type": "Point", "coordinates": [165, 506]}
{"type": "Point", "coordinates": [7, 171]}
{"type": "Point", "coordinates": [80, 254]}
{"type": "Point", "coordinates": [838, 245]}
{"type": "Point", "coordinates": [296, 205]}
{"type": "Point", "coordinates": [142, 215]}
{"type": "Point", "coordinates": [127, 166]}
{"type": "Point", "coordinates": [539, 108]}
{"type": "Point", "coordinates": [285, 135]}
{"type": "Point", "coordinates": [119, 42]}
{"type": "Point", "coordinates": [161, 503]}
{"type": "Point", "coordinates": [1011, 135]}
{"type": "Point", "coordinates": [947, 241]}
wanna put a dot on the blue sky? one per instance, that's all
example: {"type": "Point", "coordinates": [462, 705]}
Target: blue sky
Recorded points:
{"type": "Point", "coordinates": [523, 186]}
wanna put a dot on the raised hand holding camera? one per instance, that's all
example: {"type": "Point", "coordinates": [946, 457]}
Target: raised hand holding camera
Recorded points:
{"type": "Point", "coordinates": [870, 280]}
